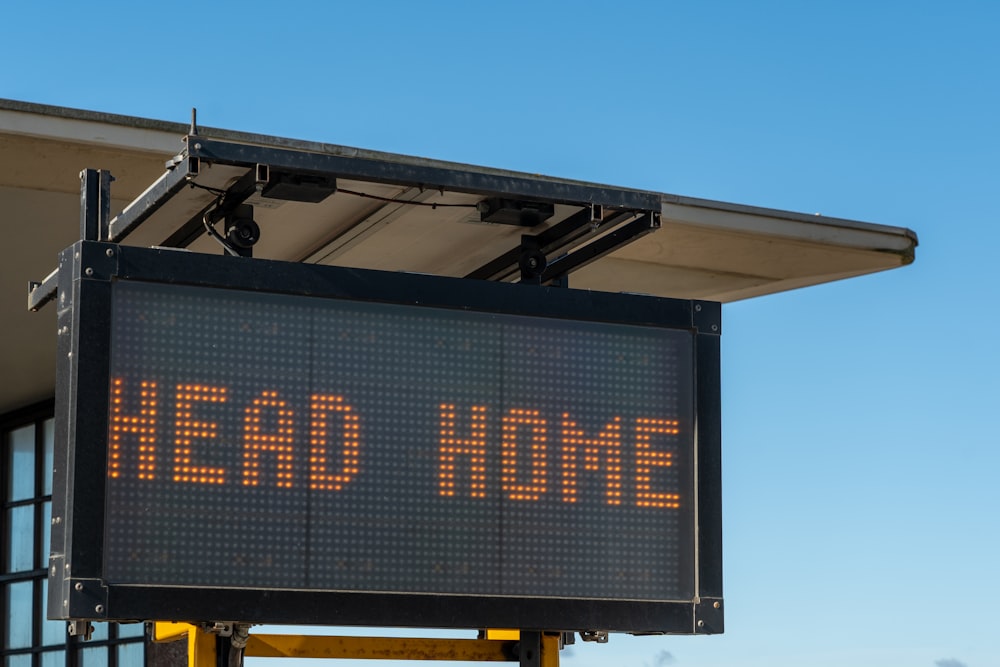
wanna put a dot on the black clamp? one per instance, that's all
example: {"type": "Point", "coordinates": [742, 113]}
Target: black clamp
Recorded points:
{"type": "Point", "coordinates": [531, 261]}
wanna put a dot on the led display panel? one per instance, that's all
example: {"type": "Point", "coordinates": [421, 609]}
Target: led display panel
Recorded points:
{"type": "Point", "coordinates": [404, 443]}
{"type": "Point", "coordinates": [345, 445]}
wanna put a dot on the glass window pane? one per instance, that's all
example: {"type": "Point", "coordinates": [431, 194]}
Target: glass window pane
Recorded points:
{"type": "Point", "coordinates": [130, 655]}
{"type": "Point", "coordinates": [18, 660]}
{"type": "Point", "coordinates": [21, 459]}
{"type": "Point", "coordinates": [94, 657]}
{"type": "Point", "coordinates": [18, 612]}
{"type": "Point", "coordinates": [54, 659]}
{"type": "Point", "coordinates": [20, 523]}
{"type": "Point", "coordinates": [53, 632]}
{"type": "Point", "coordinates": [43, 555]}
{"type": "Point", "coordinates": [126, 630]}
{"type": "Point", "coordinates": [100, 631]}
{"type": "Point", "coordinates": [49, 437]}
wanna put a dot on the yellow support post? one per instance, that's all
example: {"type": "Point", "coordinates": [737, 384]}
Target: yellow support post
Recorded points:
{"type": "Point", "coordinates": [550, 650]}
{"type": "Point", "coordinates": [201, 645]}
{"type": "Point", "coordinates": [169, 631]}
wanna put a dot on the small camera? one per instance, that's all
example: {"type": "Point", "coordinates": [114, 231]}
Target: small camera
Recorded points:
{"type": "Point", "coordinates": [243, 233]}
{"type": "Point", "coordinates": [241, 230]}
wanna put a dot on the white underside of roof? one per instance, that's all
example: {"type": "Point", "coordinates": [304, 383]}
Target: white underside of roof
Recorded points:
{"type": "Point", "coordinates": [704, 250]}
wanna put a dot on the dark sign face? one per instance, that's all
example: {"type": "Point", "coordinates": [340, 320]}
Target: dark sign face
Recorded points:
{"type": "Point", "coordinates": [293, 442]}
{"type": "Point", "coordinates": [282, 443]}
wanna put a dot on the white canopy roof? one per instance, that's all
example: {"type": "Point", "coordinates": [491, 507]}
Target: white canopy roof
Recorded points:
{"type": "Point", "coordinates": [702, 249]}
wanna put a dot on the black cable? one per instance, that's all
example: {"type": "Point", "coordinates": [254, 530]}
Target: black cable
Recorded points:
{"type": "Point", "coordinates": [211, 229]}
{"type": "Point", "coordinates": [237, 644]}
{"type": "Point", "coordinates": [215, 191]}
{"type": "Point", "coordinates": [394, 200]}
{"type": "Point", "coordinates": [220, 197]}
{"type": "Point", "coordinates": [367, 195]}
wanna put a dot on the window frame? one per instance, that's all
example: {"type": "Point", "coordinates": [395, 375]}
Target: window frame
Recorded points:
{"type": "Point", "coordinates": [37, 415]}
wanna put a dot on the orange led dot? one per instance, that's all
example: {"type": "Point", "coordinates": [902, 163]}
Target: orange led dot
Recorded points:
{"type": "Point", "coordinates": [144, 424]}
{"type": "Point", "coordinates": [450, 446]}
{"type": "Point", "coordinates": [537, 483]}
{"type": "Point", "coordinates": [186, 428]}
{"type": "Point", "coordinates": [648, 458]}
{"type": "Point", "coordinates": [322, 406]}
{"type": "Point", "coordinates": [604, 448]}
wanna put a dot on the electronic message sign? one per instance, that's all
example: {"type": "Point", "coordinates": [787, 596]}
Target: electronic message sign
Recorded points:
{"type": "Point", "coordinates": [271, 442]}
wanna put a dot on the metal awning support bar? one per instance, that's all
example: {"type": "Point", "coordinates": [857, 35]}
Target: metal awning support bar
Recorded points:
{"type": "Point", "coordinates": [553, 241]}
{"type": "Point", "coordinates": [40, 293]}
{"type": "Point", "coordinates": [194, 228]}
{"type": "Point", "coordinates": [606, 244]}
{"type": "Point", "coordinates": [228, 173]}
{"type": "Point", "coordinates": [419, 174]}
{"type": "Point", "coordinates": [506, 264]}
{"type": "Point", "coordinates": [155, 196]}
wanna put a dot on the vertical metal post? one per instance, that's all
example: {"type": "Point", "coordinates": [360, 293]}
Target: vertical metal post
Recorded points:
{"type": "Point", "coordinates": [90, 195]}
{"type": "Point", "coordinates": [551, 645]}
{"type": "Point", "coordinates": [539, 649]}
{"type": "Point", "coordinates": [95, 204]}
{"type": "Point", "coordinates": [223, 646]}
{"type": "Point", "coordinates": [104, 204]}
{"type": "Point", "coordinates": [530, 649]}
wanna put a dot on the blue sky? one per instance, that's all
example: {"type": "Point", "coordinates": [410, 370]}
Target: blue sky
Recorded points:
{"type": "Point", "coordinates": [860, 449]}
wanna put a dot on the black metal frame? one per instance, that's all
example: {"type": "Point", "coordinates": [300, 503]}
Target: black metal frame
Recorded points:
{"type": "Point", "coordinates": [258, 159]}
{"type": "Point", "coordinates": [77, 589]}
{"type": "Point", "coordinates": [608, 219]}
